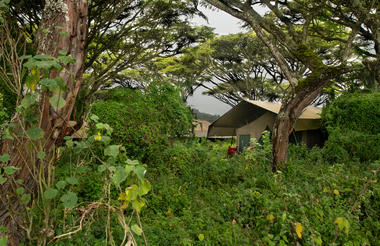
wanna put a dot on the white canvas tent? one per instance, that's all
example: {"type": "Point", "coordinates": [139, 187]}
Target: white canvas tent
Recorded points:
{"type": "Point", "coordinates": [250, 118]}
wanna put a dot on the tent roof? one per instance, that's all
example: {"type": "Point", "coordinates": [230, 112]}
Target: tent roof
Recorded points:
{"type": "Point", "coordinates": [248, 111]}
{"type": "Point", "coordinates": [309, 112]}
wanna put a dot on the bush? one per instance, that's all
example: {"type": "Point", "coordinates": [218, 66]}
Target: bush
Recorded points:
{"type": "Point", "coordinates": [352, 121]}
{"type": "Point", "coordinates": [358, 111]}
{"type": "Point", "coordinates": [143, 122]}
{"type": "Point", "coordinates": [202, 197]}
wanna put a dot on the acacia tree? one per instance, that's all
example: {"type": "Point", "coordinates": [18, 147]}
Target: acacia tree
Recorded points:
{"type": "Point", "coordinates": [123, 36]}
{"type": "Point", "coordinates": [62, 31]}
{"type": "Point", "coordinates": [288, 34]}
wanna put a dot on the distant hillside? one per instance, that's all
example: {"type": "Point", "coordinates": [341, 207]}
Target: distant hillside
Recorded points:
{"type": "Point", "coordinates": [204, 116]}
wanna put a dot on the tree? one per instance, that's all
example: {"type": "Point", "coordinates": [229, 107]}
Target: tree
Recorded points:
{"type": "Point", "coordinates": [61, 39]}
{"type": "Point", "coordinates": [287, 31]}
{"type": "Point", "coordinates": [123, 37]}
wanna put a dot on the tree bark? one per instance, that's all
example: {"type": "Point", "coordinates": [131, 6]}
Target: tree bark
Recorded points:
{"type": "Point", "coordinates": [292, 107]}
{"type": "Point", "coordinates": [66, 21]}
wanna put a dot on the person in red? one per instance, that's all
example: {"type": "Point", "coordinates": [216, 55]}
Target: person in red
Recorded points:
{"type": "Point", "coordinates": [231, 150]}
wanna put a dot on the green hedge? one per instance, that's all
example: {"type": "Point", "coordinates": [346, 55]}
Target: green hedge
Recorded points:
{"type": "Point", "coordinates": [353, 124]}
{"type": "Point", "coordinates": [143, 122]}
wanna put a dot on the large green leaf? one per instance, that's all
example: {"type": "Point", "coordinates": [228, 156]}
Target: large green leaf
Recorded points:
{"type": "Point", "coordinates": [119, 176]}
{"type": "Point", "coordinates": [61, 184]}
{"type": "Point", "coordinates": [72, 180]}
{"type": "Point", "coordinates": [5, 158]}
{"type": "Point", "coordinates": [140, 172]}
{"type": "Point", "coordinates": [145, 187]}
{"type": "Point", "coordinates": [35, 133]}
{"type": "Point", "coordinates": [9, 170]}
{"type": "Point", "coordinates": [69, 199]}
{"type": "Point", "coordinates": [50, 193]}
{"type": "Point", "coordinates": [57, 102]}
{"type": "Point", "coordinates": [136, 229]}
{"type": "Point", "coordinates": [28, 100]}
{"type": "Point", "coordinates": [112, 150]}
{"type": "Point", "coordinates": [2, 179]}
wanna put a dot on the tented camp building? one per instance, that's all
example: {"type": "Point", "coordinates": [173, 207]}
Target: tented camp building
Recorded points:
{"type": "Point", "coordinates": [249, 119]}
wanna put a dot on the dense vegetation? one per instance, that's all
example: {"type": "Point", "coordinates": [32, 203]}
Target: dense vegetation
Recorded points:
{"type": "Point", "coordinates": [201, 196]}
{"type": "Point", "coordinates": [120, 72]}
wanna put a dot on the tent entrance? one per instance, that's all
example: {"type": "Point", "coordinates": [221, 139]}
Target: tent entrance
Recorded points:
{"type": "Point", "coordinates": [244, 141]}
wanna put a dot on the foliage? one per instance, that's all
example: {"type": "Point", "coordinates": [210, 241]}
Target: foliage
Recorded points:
{"type": "Point", "coordinates": [357, 111]}
{"type": "Point", "coordinates": [202, 197]}
{"type": "Point", "coordinates": [352, 122]}
{"type": "Point", "coordinates": [144, 121]}
{"type": "Point", "coordinates": [3, 112]}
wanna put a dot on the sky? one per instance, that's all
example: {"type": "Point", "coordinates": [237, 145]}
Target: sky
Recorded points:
{"type": "Point", "coordinates": [224, 24]}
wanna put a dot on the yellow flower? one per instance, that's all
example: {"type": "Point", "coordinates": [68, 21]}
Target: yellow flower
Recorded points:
{"type": "Point", "coordinates": [336, 192]}
{"type": "Point", "coordinates": [299, 229]}
{"type": "Point", "coordinates": [270, 217]}
{"type": "Point", "coordinates": [98, 137]}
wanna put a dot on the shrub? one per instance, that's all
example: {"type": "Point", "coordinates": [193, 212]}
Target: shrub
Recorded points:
{"type": "Point", "coordinates": [144, 121]}
{"type": "Point", "coordinates": [352, 121]}
{"type": "Point", "coordinates": [358, 111]}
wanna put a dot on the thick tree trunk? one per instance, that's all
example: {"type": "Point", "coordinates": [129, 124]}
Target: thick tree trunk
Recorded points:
{"type": "Point", "coordinates": [305, 93]}
{"type": "Point", "coordinates": [66, 21]}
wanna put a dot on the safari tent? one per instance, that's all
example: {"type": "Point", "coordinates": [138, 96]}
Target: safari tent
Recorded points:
{"type": "Point", "coordinates": [250, 118]}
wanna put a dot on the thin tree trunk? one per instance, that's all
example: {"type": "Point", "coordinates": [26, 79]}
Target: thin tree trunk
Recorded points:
{"type": "Point", "coordinates": [66, 21]}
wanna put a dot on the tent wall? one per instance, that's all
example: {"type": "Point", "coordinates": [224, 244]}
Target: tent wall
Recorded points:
{"type": "Point", "coordinates": [256, 127]}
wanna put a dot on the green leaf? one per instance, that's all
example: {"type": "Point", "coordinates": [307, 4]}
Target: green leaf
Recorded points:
{"type": "Point", "coordinates": [145, 187]}
{"type": "Point", "coordinates": [201, 237]}
{"type": "Point", "coordinates": [94, 118]}
{"type": "Point", "coordinates": [20, 190]}
{"type": "Point", "coordinates": [140, 172]}
{"type": "Point", "coordinates": [129, 169]}
{"type": "Point", "coordinates": [28, 100]}
{"type": "Point", "coordinates": [82, 170]}
{"type": "Point", "coordinates": [19, 181]}
{"type": "Point", "coordinates": [57, 102]}
{"type": "Point", "coordinates": [25, 198]}
{"type": "Point", "coordinates": [50, 84]}
{"type": "Point", "coordinates": [41, 155]}
{"type": "Point", "coordinates": [43, 57]}
{"type": "Point", "coordinates": [138, 204]}
{"type": "Point", "coordinates": [101, 168]}
{"type": "Point", "coordinates": [61, 184]}
{"type": "Point", "coordinates": [5, 158]}
{"type": "Point", "coordinates": [132, 162]}
{"type": "Point", "coordinates": [61, 84]}
{"type": "Point", "coordinates": [9, 170]}
{"type": "Point", "coordinates": [119, 176]}
{"type": "Point", "coordinates": [136, 229]}
{"type": "Point", "coordinates": [66, 59]}
{"type": "Point", "coordinates": [35, 133]}
{"type": "Point", "coordinates": [50, 193]}
{"type": "Point", "coordinates": [112, 150]}
{"type": "Point", "coordinates": [62, 52]}
{"type": "Point", "coordinates": [2, 179]}
{"type": "Point", "coordinates": [69, 199]}
{"type": "Point", "coordinates": [25, 57]}
{"type": "Point", "coordinates": [72, 180]}
{"type": "Point", "coordinates": [3, 241]}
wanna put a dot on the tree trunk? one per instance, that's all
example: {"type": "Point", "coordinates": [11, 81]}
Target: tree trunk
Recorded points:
{"type": "Point", "coordinates": [305, 93]}
{"type": "Point", "coordinates": [66, 22]}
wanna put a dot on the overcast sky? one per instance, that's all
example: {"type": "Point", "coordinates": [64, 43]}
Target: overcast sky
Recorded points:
{"type": "Point", "coordinates": [224, 24]}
